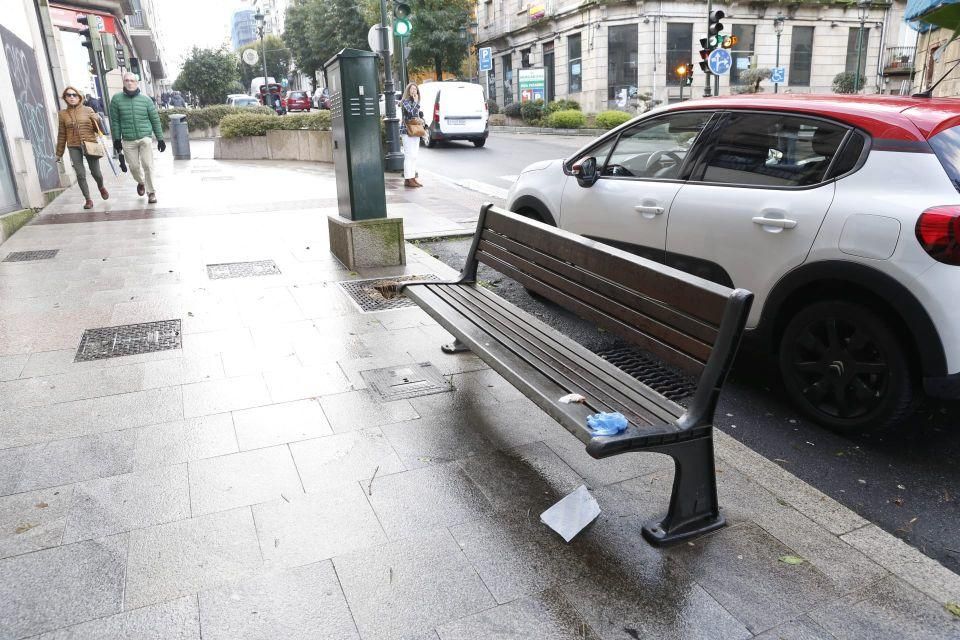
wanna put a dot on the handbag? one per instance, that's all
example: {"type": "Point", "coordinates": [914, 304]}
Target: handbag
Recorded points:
{"type": "Point", "coordinates": [415, 128]}
{"type": "Point", "coordinates": [92, 149]}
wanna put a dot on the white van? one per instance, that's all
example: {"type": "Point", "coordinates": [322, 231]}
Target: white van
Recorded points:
{"type": "Point", "coordinates": [454, 111]}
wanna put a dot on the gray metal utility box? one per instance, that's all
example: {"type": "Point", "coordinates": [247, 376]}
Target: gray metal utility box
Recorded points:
{"type": "Point", "coordinates": [357, 154]}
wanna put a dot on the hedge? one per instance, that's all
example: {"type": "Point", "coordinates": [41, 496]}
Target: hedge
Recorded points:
{"type": "Point", "coordinates": [532, 111]}
{"type": "Point", "coordinates": [563, 105]}
{"type": "Point", "coordinates": [567, 119]}
{"type": "Point", "coordinates": [253, 124]}
{"type": "Point", "coordinates": [512, 109]}
{"type": "Point", "coordinates": [611, 119]}
{"type": "Point", "coordinates": [207, 117]}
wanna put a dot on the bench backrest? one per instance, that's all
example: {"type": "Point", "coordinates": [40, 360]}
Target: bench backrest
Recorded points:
{"type": "Point", "coordinates": [680, 318]}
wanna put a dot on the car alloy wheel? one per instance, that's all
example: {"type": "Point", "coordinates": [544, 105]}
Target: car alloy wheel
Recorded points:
{"type": "Point", "coordinates": [844, 367]}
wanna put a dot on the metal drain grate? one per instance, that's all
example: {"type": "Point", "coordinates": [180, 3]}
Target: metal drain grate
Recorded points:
{"type": "Point", "coordinates": [407, 381]}
{"type": "Point", "coordinates": [28, 256]}
{"type": "Point", "coordinates": [650, 372]}
{"type": "Point", "coordinates": [369, 294]}
{"type": "Point", "coordinates": [128, 340]}
{"type": "Point", "coordinates": [242, 269]}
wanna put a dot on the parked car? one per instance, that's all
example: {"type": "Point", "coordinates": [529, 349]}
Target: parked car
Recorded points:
{"type": "Point", "coordinates": [454, 111]}
{"type": "Point", "coordinates": [297, 101]}
{"type": "Point", "coordinates": [840, 213]}
{"type": "Point", "coordinates": [241, 100]}
{"type": "Point", "coordinates": [321, 98]}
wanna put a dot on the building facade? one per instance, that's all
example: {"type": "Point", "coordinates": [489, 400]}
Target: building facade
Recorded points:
{"type": "Point", "coordinates": [621, 55]}
{"type": "Point", "coordinates": [243, 29]}
{"type": "Point", "coordinates": [937, 57]}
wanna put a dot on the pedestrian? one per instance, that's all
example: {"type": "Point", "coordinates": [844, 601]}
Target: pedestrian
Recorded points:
{"type": "Point", "coordinates": [78, 126]}
{"type": "Point", "coordinates": [96, 104]}
{"type": "Point", "coordinates": [411, 130]}
{"type": "Point", "coordinates": [134, 118]}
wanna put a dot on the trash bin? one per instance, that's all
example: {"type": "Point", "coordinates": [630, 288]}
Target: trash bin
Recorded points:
{"type": "Point", "coordinates": [179, 136]}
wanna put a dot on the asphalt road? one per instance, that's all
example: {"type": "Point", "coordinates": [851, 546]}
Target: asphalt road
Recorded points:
{"type": "Point", "coordinates": [907, 482]}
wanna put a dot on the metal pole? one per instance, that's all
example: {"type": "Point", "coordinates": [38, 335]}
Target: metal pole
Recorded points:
{"type": "Point", "coordinates": [706, 88]}
{"type": "Point", "coordinates": [266, 82]}
{"type": "Point", "coordinates": [856, 77]}
{"type": "Point", "coordinates": [776, 85]}
{"type": "Point", "coordinates": [393, 161]}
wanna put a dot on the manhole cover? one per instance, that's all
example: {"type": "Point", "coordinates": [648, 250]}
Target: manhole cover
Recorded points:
{"type": "Point", "coordinates": [27, 256]}
{"type": "Point", "coordinates": [650, 372]}
{"type": "Point", "coordinates": [128, 340]}
{"type": "Point", "coordinates": [242, 269]}
{"type": "Point", "coordinates": [381, 294]}
{"type": "Point", "coordinates": [406, 381]}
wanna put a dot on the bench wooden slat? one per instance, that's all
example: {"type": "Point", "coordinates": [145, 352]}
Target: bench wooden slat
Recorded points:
{"type": "Point", "coordinates": [606, 391]}
{"type": "Point", "coordinates": [690, 294]}
{"type": "Point", "coordinates": [615, 308]}
{"type": "Point", "coordinates": [662, 350]}
{"type": "Point", "coordinates": [695, 327]}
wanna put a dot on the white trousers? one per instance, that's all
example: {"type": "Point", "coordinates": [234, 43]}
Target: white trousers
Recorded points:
{"type": "Point", "coordinates": [139, 154]}
{"type": "Point", "coordinates": [411, 147]}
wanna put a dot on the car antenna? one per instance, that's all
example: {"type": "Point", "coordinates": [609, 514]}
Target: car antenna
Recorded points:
{"type": "Point", "coordinates": [929, 92]}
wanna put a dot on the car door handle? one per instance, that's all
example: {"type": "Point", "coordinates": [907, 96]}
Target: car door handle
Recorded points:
{"type": "Point", "coordinates": [781, 223]}
{"type": "Point", "coordinates": [648, 211]}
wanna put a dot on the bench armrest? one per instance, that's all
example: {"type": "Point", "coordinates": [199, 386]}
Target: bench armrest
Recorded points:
{"type": "Point", "coordinates": [634, 439]}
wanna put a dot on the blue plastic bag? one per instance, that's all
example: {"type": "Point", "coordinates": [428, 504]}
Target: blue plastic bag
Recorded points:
{"type": "Point", "coordinates": [607, 424]}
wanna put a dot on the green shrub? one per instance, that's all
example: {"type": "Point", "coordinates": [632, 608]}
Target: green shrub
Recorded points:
{"type": "Point", "coordinates": [492, 107]}
{"type": "Point", "coordinates": [563, 105]}
{"type": "Point", "coordinates": [208, 117]}
{"type": "Point", "coordinates": [844, 82]}
{"type": "Point", "coordinates": [568, 119]}
{"type": "Point", "coordinates": [611, 119]}
{"type": "Point", "coordinates": [532, 111]}
{"type": "Point", "coordinates": [257, 124]}
{"type": "Point", "coordinates": [512, 110]}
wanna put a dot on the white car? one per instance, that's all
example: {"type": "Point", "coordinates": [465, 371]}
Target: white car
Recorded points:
{"type": "Point", "coordinates": [454, 111]}
{"type": "Point", "coordinates": [840, 213]}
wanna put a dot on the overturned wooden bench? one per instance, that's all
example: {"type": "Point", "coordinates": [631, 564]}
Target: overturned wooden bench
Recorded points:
{"type": "Point", "coordinates": [689, 323]}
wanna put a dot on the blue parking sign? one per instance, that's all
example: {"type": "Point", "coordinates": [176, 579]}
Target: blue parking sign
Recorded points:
{"type": "Point", "coordinates": [778, 75]}
{"type": "Point", "coordinates": [719, 62]}
{"type": "Point", "coordinates": [486, 59]}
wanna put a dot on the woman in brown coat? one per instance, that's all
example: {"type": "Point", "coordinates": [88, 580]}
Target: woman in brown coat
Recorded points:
{"type": "Point", "coordinates": [79, 124]}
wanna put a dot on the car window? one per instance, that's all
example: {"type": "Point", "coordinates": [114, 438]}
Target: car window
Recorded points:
{"type": "Point", "coordinates": [656, 148]}
{"type": "Point", "coordinates": [946, 145]}
{"type": "Point", "coordinates": [772, 150]}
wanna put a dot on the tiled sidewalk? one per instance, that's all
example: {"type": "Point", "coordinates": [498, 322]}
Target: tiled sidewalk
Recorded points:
{"type": "Point", "coordinates": [251, 484]}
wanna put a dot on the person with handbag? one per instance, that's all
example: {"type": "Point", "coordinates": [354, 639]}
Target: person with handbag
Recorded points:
{"type": "Point", "coordinates": [135, 120]}
{"type": "Point", "coordinates": [79, 133]}
{"type": "Point", "coordinates": [411, 131]}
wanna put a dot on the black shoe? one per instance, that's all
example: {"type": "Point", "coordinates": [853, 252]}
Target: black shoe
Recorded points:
{"type": "Point", "coordinates": [140, 189]}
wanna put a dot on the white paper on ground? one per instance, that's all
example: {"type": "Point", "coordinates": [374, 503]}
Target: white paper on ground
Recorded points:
{"type": "Point", "coordinates": [571, 514]}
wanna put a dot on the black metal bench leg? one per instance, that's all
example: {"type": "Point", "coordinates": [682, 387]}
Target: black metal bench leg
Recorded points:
{"type": "Point", "coordinates": [694, 509]}
{"type": "Point", "coordinates": [454, 347]}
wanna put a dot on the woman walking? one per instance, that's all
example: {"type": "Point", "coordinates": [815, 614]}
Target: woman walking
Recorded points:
{"type": "Point", "coordinates": [411, 130]}
{"type": "Point", "coordinates": [79, 126]}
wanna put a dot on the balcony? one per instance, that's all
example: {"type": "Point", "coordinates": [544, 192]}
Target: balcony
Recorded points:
{"type": "Point", "coordinates": [137, 21]}
{"type": "Point", "coordinates": [899, 61]}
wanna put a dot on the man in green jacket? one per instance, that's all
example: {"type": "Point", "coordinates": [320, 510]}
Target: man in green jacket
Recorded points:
{"type": "Point", "coordinates": [134, 118]}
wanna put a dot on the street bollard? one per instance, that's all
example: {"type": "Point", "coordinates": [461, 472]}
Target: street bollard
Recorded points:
{"type": "Point", "coordinates": [179, 136]}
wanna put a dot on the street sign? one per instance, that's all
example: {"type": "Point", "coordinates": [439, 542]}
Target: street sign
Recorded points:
{"type": "Point", "coordinates": [373, 39]}
{"type": "Point", "coordinates": [250, 56]}
{"type": "Point", "coordinates": [719, 62]}
{"type": "Point", "coordinates": [778, 75]}
{"type": "Point", "coordinates": [486, 59]}
{"type": "Point", "coordinates": [533, 83]}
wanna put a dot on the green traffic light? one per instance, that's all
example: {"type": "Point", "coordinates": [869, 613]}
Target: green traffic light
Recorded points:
{"type": "Point", "coordinates": [402, 27]}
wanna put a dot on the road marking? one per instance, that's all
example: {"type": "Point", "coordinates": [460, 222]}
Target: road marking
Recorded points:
{"type": "Point", "coordinates": [482, 187]}
{"type": "Point", "coordinates": [510, 179]}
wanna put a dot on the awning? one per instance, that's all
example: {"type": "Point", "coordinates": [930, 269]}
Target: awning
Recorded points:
{"type": "Point", "coordinates": [924, 15]}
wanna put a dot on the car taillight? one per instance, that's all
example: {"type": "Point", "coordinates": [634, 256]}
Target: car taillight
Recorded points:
{"type": "Point", "coordinates": [938, 231]}
{"type": "Point", "coordinates": [436, 113]}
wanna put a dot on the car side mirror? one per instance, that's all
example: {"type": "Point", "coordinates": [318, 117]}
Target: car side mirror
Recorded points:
{"type": "Point", "coordinates": [586, 171]}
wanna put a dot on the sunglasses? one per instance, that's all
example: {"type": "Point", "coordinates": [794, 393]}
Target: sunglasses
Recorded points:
{"type": "Point", "coordinates": [72, 95]}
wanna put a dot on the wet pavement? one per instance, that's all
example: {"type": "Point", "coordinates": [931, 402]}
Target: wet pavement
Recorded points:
{"type": "Point", "coordinates": [250, 483]}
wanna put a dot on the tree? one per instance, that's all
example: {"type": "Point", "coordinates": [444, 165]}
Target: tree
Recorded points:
{"type": "Point", "coordinates": [209, 74]}
{"type": "Point", "coordinates": [435, 40]}
{"type": "Point", "coordinates": [844, 82]}
{"type": "Point", "coordinates": [750, 80]}
{"type": "Point", "coordinates": [278, 60]}
{"type": "Point", "coordinates": [317, 29]}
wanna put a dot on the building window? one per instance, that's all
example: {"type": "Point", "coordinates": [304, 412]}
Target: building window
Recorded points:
{"type": "Point", "coordinates": [574, 65]}
{"type": "Point", "coordinates": [852, 38]}
{"type": "Point", "coordinates": [801, 51]}
{"type": "Point", "coordinates": [507, 79]}
{"type": "Point", "coordinates": [621, 65]}
{"type": "Point", "coordinates": [743, 51]}
{"type": "Point", "coordinates": [679, 49]}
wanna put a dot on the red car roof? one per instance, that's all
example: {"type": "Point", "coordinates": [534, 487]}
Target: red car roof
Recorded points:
{"type": "Point", "coordinates": [883, 117]}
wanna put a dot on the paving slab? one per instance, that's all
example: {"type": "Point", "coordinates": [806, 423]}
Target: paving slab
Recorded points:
{"type": "Point", "coordinates": [185, 440]}
{"type": "Point", "coordinates": [280, 423]}
{"type": "Point", "coordinates": [174, 620]}
{"type": "Point", "coordinates": [546, 616]}
{"type": "Point", "coordinates": [33, 520]}
{"type": "Point", "coordinates": [364, 408]}
{"type": "Point", "coordinates": [245, 478]}
{"type": "Point", "coordinates": [345, 458]}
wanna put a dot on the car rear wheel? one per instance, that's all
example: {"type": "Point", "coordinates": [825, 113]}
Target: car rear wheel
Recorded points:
{"type": "Point", "coordinates": [844, 367]}
{"type": "Point", "coordinates": [480, 142]}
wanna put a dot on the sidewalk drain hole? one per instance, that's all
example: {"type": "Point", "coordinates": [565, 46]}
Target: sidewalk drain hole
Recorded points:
{"type": "Point", "coordinates": [128, 340]}
{"type": "Point", "coordinates": [650, 372]}
{"type": "Point", "coordinates": [406, 381]}
{"type": "Point", "coordinates": [242, 269]}
{"type": "Point", "coordinates": [381, 294]}
{"type": "Point", "coordinates": [29, 256]}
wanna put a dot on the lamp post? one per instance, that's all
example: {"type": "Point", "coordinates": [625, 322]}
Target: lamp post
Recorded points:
{"type": "Point", "coordinates": [470, 30]}
{"type": "Point", "coordinates": [393, 161]}
{"type": "Point", "coordinates": [778, 29]}
{"type": "Point", "coordinates": [863, 9]}
{"type": "Point", "coordinates": [260, 18]}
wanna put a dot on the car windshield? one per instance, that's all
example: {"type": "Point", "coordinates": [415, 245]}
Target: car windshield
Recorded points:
{"type": "Point", "coordinates": [946, 145]}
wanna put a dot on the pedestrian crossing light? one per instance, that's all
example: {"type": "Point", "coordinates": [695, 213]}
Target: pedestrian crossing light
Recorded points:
{"type": "Point", "coordinates": [688, 76]}
{"type": "Point", "coordinates": [682, 71]}
{"type": "Point", "coordinates": [90, 37]}
{"type": "Point", "coordinates": [401, 22]}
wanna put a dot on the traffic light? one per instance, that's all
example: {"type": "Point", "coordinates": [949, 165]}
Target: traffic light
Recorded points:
{"type": "Point", "coordinates": [401, 22]}
{"type": "Point", "coordinates": [109, 52]}
{"type": "Point", "coordinates": [704, 54]}
{"type": "Point", "coordinates": [682, 72]}
{"type": "Point", "coordinates": [91, 35]}
{"type": "Point", "coordinates": [688, 76]}
{"type": "Point", "coordinates": [729, 42]}
{"type": "Point", "coordinates": [715, 27]}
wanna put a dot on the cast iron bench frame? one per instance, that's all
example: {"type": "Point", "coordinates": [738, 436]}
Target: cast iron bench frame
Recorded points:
{"type": "Point", "coordinates": [690, 323]}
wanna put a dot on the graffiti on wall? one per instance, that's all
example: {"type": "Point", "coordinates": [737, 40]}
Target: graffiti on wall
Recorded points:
{"type": "Point", "coordinates": [28, 92]}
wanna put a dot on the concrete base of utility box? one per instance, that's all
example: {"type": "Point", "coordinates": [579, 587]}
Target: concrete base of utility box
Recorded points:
{"type": "Point", "coordinates": [367, 243]}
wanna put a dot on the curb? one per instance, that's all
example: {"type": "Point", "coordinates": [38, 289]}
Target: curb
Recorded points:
{"type": "Point", "coordinates": [11, 222]}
